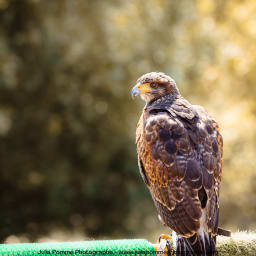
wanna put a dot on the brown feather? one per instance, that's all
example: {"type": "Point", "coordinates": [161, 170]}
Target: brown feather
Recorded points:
{"type": "Point", "coordinates": [180, 149]}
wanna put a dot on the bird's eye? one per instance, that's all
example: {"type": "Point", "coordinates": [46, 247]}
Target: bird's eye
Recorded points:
{"type": "Point", "coordinates": [153, 85]}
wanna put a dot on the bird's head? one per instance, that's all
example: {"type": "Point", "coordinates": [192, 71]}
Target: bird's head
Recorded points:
{"type": "Point", "coordinates": [154, 85]}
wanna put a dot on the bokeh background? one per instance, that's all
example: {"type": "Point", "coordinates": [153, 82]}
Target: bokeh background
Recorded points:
{"type": "Point", "coordinates": [67, 122]}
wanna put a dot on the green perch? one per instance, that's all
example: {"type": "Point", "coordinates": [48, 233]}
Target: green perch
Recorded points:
{"type": "Point", "coordinates": [105, 247]}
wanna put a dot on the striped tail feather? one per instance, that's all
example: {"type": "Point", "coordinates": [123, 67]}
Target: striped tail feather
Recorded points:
{"type": "Point", "coordinates": [203, 244]}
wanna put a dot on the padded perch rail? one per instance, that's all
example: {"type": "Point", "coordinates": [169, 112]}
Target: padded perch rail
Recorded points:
{"type": "Point", "coordinates": [108, 248]}
{"type": "Point", "coordinates": [240, 243]}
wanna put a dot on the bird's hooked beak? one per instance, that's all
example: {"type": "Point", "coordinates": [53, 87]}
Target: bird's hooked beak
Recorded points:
{"type": "Point", "coordinates": [140, 89]}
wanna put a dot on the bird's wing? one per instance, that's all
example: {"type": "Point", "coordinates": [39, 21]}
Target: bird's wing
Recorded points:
{"type": "Point", "coordinates": [211, 155]}
{"type": "Point", "coordinates": [174, 169]}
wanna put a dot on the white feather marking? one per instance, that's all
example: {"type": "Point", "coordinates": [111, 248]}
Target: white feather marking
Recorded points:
{"type": "Point", "coordinates": [160, 219]}
{"type": "Point", "coordinates": [174, 238]}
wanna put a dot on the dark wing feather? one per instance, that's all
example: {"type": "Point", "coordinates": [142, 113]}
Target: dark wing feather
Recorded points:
{"type": "Point", "coordinates": [181, 155]}
{"type": "Point", "coordinates": [142, 171]}
{"type": "Point", "coordinates": [211, 154]}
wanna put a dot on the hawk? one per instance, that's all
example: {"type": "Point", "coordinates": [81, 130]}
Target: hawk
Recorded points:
{"type": "Point", "coordinates": [180, 159]}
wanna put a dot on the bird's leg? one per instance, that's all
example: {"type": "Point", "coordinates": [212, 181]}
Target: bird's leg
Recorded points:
{"type": "Point", "coordinates": [164, 237]}
{"type": "Point", "coordinates": [163, 246]}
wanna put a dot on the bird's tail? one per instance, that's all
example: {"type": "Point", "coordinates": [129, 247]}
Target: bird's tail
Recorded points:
{"type": "Point", "coordinates": [203, 244]}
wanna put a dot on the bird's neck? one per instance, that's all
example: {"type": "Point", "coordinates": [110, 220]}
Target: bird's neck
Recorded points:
{"type": "Point", "coordinates": [162, 102]}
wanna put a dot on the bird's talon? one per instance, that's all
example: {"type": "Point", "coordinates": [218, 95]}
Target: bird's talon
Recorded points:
{"type": "Point", "coordinates": [165, 237]}
{"type": "Point", "coordinates": [163, 248]}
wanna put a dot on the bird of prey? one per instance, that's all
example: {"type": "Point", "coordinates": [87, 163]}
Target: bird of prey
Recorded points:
{"type": "Point", "coordinates": [180, 159]}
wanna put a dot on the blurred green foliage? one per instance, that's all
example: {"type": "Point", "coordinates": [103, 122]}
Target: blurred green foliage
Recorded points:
{"type": "Point", "coordinates": [67, 122]}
